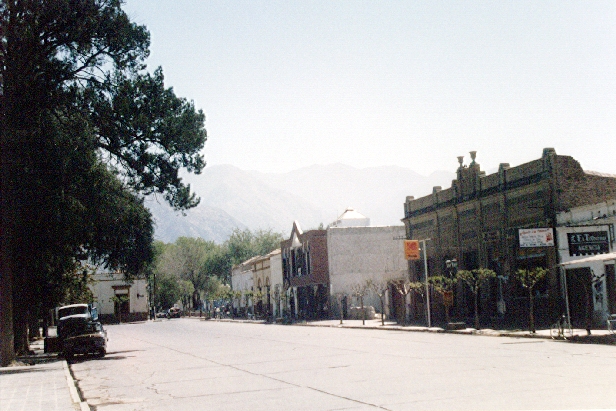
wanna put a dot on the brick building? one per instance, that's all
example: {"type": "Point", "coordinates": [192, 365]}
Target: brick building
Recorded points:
{"type": "Point", "coordinates": [477, 222]}
{"type": "Point", "coordinates": [305, 272]}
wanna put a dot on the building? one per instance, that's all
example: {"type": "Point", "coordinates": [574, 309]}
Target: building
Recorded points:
{"type": "Point", "coordinates": [586, 247]}
{"type": "Point", "coordinates": [278, 296]}
{"type": "Point", "coordinates": [119, 300]}
{"type": "Point", "coordinates": [306, 273]}
{"type": "Point", "coordinates": [481, 221]}
{"type": "Point", "coordinates": [242, 282]}
{"type": "Point", "coordinates": [357, 255]}
{"type": "Point", "coordinates": [351, 218]}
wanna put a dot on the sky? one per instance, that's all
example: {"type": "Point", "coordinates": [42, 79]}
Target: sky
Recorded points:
{"type": "Point", "coordinates": [288, 84]}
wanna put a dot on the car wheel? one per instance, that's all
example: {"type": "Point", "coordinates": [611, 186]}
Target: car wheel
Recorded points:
{"type": "Point", "coordinates": [68, 355]}
{"type": "Point", "coordinates": [101, 353]}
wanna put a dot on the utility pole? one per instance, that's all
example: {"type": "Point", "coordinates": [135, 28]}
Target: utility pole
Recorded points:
{"type": "Point", "coordinates": [423, 247]}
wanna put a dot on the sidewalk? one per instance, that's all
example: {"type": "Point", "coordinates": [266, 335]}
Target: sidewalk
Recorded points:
{"type": "Point", "coordinates": [45, 385]}
{"type": "Point", "coordinates": [579, 335]}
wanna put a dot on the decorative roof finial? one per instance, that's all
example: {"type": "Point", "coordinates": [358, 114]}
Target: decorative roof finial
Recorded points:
{"type": "Point", "coordinates": [460, 160]}
{"type": "Point", "coordinates": [473, 156]}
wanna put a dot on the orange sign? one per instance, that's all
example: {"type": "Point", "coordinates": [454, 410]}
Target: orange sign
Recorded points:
{"type": "Point", "coordinates": [411, 249]}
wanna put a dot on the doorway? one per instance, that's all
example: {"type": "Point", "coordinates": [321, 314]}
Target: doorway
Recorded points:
{"type": "Point", "coordinates": [579, 291]}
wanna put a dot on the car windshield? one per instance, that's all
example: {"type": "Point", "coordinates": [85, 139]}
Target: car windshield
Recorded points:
{"type": "Point", "coordinates": [66, 311]}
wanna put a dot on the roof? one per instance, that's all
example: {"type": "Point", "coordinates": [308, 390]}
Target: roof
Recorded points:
{"type": "Point", "coordinates": [351, 214]}
{"type": "Point", "coordinates": [591, 259]}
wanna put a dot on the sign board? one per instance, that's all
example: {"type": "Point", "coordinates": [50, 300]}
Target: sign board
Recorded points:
{"type": "Point", "coordinates": [589, 243]}
{"type": "Point", "coordinates": [536, 237]}
{"type": "Point", "coordinates": [411, 249]}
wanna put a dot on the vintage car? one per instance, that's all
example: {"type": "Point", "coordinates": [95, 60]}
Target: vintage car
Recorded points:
{"type": "Point", "coordinates": [79, 337]}
{"type": "Point", "coordinates": [174, 312]}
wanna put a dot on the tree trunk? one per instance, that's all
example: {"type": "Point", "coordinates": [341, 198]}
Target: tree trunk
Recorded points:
{"type": "Point", "coordinates": [531, 315]}
{"type": "Point", "coordinates": [363, 312]}
{"type": "Point", "coordinates": [382, 297]}
{"type": "Point", "coordinates": [477, 311]}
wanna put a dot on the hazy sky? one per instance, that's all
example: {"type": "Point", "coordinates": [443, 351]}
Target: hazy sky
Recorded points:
{"type": "Point", "coordinates": [287, 84]}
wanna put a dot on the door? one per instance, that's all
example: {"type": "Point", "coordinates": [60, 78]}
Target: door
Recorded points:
{"type": "Point", "coordinates": [579, 289]}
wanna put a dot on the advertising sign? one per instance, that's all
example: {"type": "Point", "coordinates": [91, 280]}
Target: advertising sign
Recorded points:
{"type": "Point", "coordinates": [536, 237]}
{"type": "Point", "coordinates": [596, 242]}
{"type": "Point", "coordinates": [411, 249]}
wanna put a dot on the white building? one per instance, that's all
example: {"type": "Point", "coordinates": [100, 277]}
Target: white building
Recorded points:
{"type": "Point", "coordinates": [242, 281]}
{"type": "Point", "coordinates": [277, 282]}
{"type": "Point", "coordinates": [118, 300]}
{"type": "Point", "coordinates": [585, 238]}
{"type": "Point", "coordinates": [357, 254]}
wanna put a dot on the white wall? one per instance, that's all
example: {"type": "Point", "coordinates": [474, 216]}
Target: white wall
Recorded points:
{"type": "Point", "coordinates": [357, 254]}
{"type": "Point", "coordinates": [102, 288]}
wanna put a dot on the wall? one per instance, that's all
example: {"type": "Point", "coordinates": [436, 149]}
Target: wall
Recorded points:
{"type": "Point", "coordinates": [356, 254]}
{"type": "Point", "coordinates": [103, 289]}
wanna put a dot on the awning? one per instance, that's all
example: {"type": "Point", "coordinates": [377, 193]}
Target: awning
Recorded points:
{"type": "Point", "coordinates": [591, 259]}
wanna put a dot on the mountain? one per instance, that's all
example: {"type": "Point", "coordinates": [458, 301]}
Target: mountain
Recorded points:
{"type": "Point", "coordinates": [209, 223]}
{"type": "Point", "coordinates": [232, 198]}
{"type": "Point", "coordinates": [377, 192]}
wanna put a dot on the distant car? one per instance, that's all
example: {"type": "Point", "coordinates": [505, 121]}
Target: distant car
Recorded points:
{"type": "Point", "coordinates": [162, 314]}
{"type": "Point", "coordinates": [174, 312]}
{"type": "Point", "coordinates": [89, 338]}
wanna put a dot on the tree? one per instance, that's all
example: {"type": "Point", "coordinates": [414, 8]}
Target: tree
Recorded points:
{"type": "Point", "coordinates": [379, 287]}
{"type": "Point", "coordinates": [359, 290]}
{"type": "Point", "coordinates": [405, 287]}
{"type": "Point", "coordinates": [167, 291]}
{"type": "Point", "coordinates": [528, 279]}
{"type": "Point", "coordinates": [77, 109]}
{"type": "Point", "coordinates": [186, 289]}
{"type": "Point", "coordinates": [443, 285]}
{"type": "Point", "coordinates": [475, 280]}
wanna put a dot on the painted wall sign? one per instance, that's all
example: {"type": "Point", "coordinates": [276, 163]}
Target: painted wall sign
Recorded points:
{"type": "Point", "coordinates": [589, 243]}
{"type": "Point", "coordinates": [536, 237]}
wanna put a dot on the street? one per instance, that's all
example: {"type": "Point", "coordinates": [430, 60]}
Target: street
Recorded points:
{"type": "Point", "coordinates": [207, 365]}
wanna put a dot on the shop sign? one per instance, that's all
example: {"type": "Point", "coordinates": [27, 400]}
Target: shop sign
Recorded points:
{"type": "Point", "coordinates": [536, 237]}
{"type": "Point", "coordinates": [411, 249]}
{"type": "Point", "coordinates": [589, 243]}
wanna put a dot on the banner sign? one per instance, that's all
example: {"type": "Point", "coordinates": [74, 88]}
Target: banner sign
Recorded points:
{"type": "Point", "coordinates": [536, 237]}
{"type": "Point", "coordinates": [411, 249]}
{"type": "Point", "coordinates": [596, 242]}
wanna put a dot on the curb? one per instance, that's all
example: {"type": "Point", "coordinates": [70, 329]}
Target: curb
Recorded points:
{"type": "Point", "coordinates": [83, 406]}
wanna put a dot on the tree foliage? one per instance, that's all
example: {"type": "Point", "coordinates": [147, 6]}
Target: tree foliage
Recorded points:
{"type": "Point", "coordinates": [529, 279]}
{"type": "Point", "coordinates": [85, 131]}
{"type": "Point", "coordinates": [475, 280]}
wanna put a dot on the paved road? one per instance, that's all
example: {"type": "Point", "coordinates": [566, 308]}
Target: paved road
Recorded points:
{"type": "Point", "coordinates": [207, 365]}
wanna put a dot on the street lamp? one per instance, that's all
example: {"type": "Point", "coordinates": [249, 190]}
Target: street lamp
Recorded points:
{"type": "Point", "coordinates": [452, 266]}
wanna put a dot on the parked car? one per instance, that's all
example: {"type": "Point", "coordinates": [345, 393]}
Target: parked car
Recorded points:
{"type": "Point", "coordinates": [84, 338]}
{"type": "Point", "coordinates": [162, 314]}
{"type": "Point", "coordinates": [174, 312]}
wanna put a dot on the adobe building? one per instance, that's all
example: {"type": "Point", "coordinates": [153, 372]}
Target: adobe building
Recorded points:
{"type": "Point", "coordinates": [119, 300]}
{"type": "Point", "coordinates": [306, 273]}
{"type": "Point", "coordinates": [503, 221]}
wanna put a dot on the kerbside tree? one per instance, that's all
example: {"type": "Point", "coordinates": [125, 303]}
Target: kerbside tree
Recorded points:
{"type": "Point", "coordinates": [85, 131]}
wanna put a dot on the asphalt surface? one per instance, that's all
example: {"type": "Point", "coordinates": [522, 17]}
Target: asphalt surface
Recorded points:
{"type": "Point", "coordinates": [324, 366]}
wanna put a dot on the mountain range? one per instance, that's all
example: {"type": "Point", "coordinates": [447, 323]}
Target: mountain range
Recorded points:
{"type": "Point", "coordinates": [234, 198]}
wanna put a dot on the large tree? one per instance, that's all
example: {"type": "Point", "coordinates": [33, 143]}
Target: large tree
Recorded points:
{"type": "Point", "coordinates": [85, 131]}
